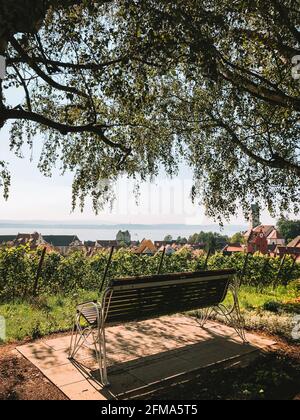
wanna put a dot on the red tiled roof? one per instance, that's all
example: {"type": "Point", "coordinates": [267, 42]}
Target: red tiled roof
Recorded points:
{"type": "Point", "coordinates": [234, 248]}
{"type": "Point", "coordinates": [295, 242]}
{"type": "Point", "coordinates": [275, 235]}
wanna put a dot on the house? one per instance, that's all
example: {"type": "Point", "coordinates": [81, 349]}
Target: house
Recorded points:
{"type": "Point", "coordinates": [274, 238]}
{"type": "Point", "coordinates": [170, 250]}
{"type": "Point", "coordinates": [123, 238]}
{"type": "Point", "coordinates": [292, 248]}
{"type": "Point", "coordinates": [146, 247]}
{"type": "Point", "coordinates": [295, 243]}
{"type": "Point", "coordinates": [256, 241]}
{"type": "Point", "coordinates": [294, 252]}
{"type": "Point", "coordinates": [106, 244]}
{"type": "Point", "coordinates": [261, 238]}
{"type": "Point", "coordinates": [34, 240]}
{"type": "Point", "coordinates": [63, 243]}
{"type": "Point", "coordinates": [148, 251]}
{"type": "Point", "coordinates": [230, 249]}
{"type": "Point", "coordinates": [90, 244]}
{"type": "Point", "coordinates": [162, 244]}
{"type": "Point", "coordinates": [7, 240]}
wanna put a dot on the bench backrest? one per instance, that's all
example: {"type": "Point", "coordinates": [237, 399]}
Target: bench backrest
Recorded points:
{"type": "Point", "coordinates": [138, 298]}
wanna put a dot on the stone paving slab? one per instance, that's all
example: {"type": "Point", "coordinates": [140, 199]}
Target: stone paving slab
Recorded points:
{"type": "Point", "coordinates": [140, 354]}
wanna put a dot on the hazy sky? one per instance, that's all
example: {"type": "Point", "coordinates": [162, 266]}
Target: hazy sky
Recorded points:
{"type": "Point", "coordinates": [34, 197]}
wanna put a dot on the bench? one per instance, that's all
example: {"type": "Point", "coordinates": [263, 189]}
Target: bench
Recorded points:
{"type": "Point", "coordinates": [147, 297]}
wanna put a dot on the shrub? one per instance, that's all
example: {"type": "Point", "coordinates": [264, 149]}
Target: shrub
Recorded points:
{"type": "Point", "coordinates": [76, 271]}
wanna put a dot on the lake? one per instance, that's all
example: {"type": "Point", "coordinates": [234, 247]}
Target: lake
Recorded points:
{"type": "Point", "coordinates": [108, 232]}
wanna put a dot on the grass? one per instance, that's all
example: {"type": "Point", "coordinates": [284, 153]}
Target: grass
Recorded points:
{"type": "Point", "coordinates": [41, 316]}
{"type": "Point", "coordinates": [269, 310]}
{"type": "Point", "coordinates": [251, 299]}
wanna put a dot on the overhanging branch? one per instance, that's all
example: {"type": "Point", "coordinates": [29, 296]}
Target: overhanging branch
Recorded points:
{"type": "Point", "coordinates": [277, 161]}
{"type": "Point", "coordinates": [64, 129]}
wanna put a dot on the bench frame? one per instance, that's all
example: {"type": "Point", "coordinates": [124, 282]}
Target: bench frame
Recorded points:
{"type": "Point", "coordinates": [94, 333]}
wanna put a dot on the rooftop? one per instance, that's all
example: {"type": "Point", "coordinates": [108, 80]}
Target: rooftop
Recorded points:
{"type": "Point", "coordinates": [295, 242]}
{"type": "Point", "coordinates": [61, 240]}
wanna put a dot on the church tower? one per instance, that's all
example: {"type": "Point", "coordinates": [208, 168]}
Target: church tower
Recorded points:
{"type": "Point", "coordinates": [255, 216]}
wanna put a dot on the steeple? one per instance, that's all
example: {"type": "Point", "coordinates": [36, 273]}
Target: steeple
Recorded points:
{"type": "Point", "coordinates": [255, 216]}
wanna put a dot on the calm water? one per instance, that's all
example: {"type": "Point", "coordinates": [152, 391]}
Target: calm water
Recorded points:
{"type": "Point", "coordinates": [138, 232]}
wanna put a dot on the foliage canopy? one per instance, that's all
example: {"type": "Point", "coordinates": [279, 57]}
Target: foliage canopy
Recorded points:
{"type": "Point", "coordinates": [127, 87]}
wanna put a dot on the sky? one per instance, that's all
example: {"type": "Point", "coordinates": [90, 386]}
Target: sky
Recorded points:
{"type": "Point", "coordinates": [35, 197]}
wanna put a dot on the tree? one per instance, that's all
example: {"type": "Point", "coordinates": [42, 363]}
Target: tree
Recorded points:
{"type": "Point", "coordinates": [181, 241]}
{"type": "Point", "coordinates": [193, 239]}
{"type": "Point", "coordinates": [237, 238]}
{"type": "Point", "coordinates": [289, 229]}
{"type": "Point", "coordinates": [78, 95]}
{"type": "Point", "coordinates": [229, 94]}
{"type": "Point", "coordinates": [125, 87]}
{"type": "Point", "coordinates": [212, 240]}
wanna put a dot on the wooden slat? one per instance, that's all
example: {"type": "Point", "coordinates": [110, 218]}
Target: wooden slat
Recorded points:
{"type": "Point", "coordinates": [173, 276]}
{"type": "Point", "coordinates": [162, 292]}
{"type": "Point", "coordinates": [165, 299]}
{"type": "Point", "coordinates": [176, 304]}
{"type": "Point", "coordinates": [153, 312]}
{"type": "Point", "coordinates": [162, 289]}
{"type": "Point", "coordinates": [129, 285]}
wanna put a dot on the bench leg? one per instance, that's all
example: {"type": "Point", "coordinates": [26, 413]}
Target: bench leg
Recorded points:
{"type": "Point", "coordinates": [233, 315]}
{"type": "Point", "coordinates": [203, 316]}
{"type": "Point", "coordinates": [104, 356]}
{"type": "Point", "coordinates": [90, 336]}
{"type": "Point", "coordinates": [76, 339]}
{"type": "Point", "coordinates": [100, 348]}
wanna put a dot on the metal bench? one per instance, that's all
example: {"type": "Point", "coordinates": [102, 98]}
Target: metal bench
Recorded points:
{"type": "Point", "coordinates": [147, 297]}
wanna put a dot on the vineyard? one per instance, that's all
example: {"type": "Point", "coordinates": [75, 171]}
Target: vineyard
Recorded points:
{"type": "Point", "coordinates": [58, 275]}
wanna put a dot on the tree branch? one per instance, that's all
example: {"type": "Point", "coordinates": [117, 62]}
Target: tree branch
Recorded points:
{"type": "Point", "coordinates": [27, 95]}
{"type": "Point", "coordinates": [64, 65]}
{"type": "Point", "coordinates": [43, 75]}
{"type": "Point", "coordinates": [64, 129]}
{"type": "Point", "coordinates": [261, 92]}
{"type": "Point", "coordinates": [277, 161]}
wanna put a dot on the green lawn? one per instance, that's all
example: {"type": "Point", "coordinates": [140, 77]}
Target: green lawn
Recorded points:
{"type": "Point", "coordinates": [270, 310]}
{"type": "Point", "coordinates": [42, 316]}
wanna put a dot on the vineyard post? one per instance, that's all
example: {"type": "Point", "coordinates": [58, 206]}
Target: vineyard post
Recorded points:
{"type": "Point", "coordinates": [39, 271]}
{"type": "Point", "coordinates": [294, 257]}
{"type": "Point", "coordinates": [207, 258]}
{"type": "Point", "coordinates": [243, 272]}
{"type": "Point", "coordinates": [107, 268]}
{"type": "Point", "coordinates": [262, 282]}
{"type": "Point", "coordinates": [279, 271]}
{"type": "Point", "coordinates": [161, 260]}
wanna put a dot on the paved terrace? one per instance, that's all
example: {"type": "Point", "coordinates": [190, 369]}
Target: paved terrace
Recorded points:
{"type": "Point", "coordinates": [141, 355]}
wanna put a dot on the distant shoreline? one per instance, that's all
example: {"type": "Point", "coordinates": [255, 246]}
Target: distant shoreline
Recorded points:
{"type": "Point", "coordinates": [94, 232]}
{"type": "Point", "coordinates": [60, 225]}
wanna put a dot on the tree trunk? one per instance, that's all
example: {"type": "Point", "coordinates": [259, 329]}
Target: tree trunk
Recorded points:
{"type": "Point", "coordinates": [21, 16]}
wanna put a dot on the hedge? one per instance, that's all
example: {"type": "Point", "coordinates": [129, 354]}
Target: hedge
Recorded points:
{"type": "Point", "coordinates": [19, 265]}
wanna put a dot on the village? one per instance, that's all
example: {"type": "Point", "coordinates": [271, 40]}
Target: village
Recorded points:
{"type": "Point", "coordinates": [259, 238]}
